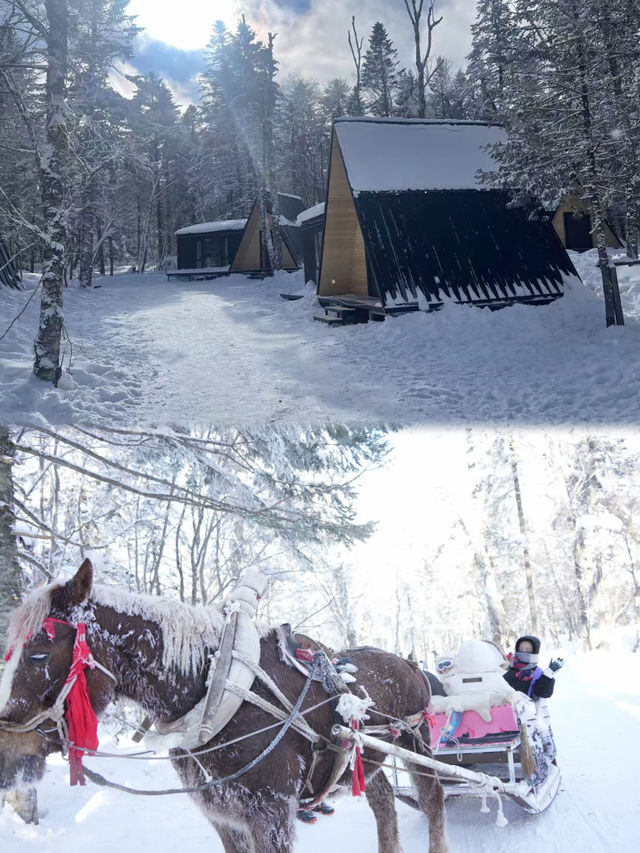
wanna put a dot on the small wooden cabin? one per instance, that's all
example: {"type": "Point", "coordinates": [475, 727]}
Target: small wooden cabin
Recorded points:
{"type": "Point", "coordinates": [9, 276]}
{"type": "Point", "coordinates": [409, 224]}
{"type": "Point", "coordinates": [572, 223]}
{"type": "Point", "coordinates": [209, 246]}
{"type": "Point", "coordinates": [251, 258]}
{"type": "Point", "coordinates": [311, 224]}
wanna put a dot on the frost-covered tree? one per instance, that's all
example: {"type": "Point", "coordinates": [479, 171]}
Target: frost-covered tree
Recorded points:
{"type": "Point", "coordinates": [494, 40]}
{"type": "Point", "coordinates": [449, 97]}
{"type": "Point", "coordinates": [10, 575]}
{"type": "Point", "coordinates": [558, 131]}
{"type": "Point", "coordinates": [186, 512]}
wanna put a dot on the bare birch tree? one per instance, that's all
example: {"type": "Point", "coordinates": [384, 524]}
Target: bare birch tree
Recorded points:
{"type": "Point", "coordinates": [424, 72]}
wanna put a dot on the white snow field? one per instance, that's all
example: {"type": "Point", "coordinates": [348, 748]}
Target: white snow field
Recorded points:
{"type": "Point", "coordinates": [596, 718]}
{"type": "Point", "coordinates": [231, 351]}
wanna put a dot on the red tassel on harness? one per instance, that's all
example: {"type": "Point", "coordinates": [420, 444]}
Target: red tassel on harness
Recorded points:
{"type": "Point", "coordinates": [357, 773]}
{"type": "Point", "coordinates": [80, 716]}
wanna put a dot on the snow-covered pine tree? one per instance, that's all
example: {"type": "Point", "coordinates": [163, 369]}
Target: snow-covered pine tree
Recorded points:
{"type": "Point", "coordinates": [101, 34]}
{"type": "Point", "coordinates": [558, 135]}
{"type": "Point", "coordinates": [154, 122]}
{"type": "Point", "coordinates": [618, 27]}
{"type": "Point", "coordinates": [380, 73]}
{"type": "Point", "coordinates": [494, 38]}
{"type": "Point", "coordinates": [302, 139]}
{"type": "Point", "coordinates": [449, 96]}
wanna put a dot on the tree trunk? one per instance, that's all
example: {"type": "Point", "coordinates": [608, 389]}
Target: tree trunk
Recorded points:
{"type": "Point", "coordinates": [612, 305]}
{"type": "Point", "coordinates": [526, 561]}
{"type": "Point", "coordinates": [86, 237]}
{"type": "Point", "coordinates": [10, 575]}
{"type": "Point", "coordinates": [47, 345]}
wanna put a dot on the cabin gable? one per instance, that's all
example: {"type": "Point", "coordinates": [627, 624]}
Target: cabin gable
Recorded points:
{"type": "Point", "coordinates": [343, 267]}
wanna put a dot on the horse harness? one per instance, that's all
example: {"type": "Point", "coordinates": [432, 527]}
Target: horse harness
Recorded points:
{"type": "Point", "coordinates": [315, 665]}
{"type": "Point", "coordinates": [75, 682]}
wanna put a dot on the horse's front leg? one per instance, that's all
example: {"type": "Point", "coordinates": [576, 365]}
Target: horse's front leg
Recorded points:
{"type": "Point", "coordinates": [381, 798]}
{"type": "Point", "coordinates": [272, 825]}
{"type": "Point", "coordinates": [233, 840]}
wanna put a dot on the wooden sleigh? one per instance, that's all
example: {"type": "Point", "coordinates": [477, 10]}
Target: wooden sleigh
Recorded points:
{"type": "Point", "coordinates": [475, 758]}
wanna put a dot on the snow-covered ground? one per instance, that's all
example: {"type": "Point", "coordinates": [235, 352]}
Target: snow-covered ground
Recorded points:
{"type": "Point", "coordinates": [232, 351]}
{"type": "Point", "coordinates": [596, 717]}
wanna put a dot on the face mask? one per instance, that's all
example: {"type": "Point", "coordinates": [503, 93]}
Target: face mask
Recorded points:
{"type": "Point", "coordinates": [524, 660]}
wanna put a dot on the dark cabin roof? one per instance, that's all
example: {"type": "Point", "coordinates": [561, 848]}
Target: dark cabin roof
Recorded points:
{"type": "Point", "coordinates": [465, 245]}
{"type": "Point", "coordinates": [290, 206]}
{"type": "Point", "coordinates": [431, 229]}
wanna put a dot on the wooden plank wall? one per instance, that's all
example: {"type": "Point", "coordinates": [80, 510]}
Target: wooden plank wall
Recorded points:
{"type": "Point", "coordinates": [344, 268]}
{"type": "Point", "coordinates": [570, 205]}
{"type": "Point", "coordinates": [247, 257]}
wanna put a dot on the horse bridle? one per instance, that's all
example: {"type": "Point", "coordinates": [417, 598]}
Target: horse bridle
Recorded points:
{"type": "Point", "coordinates": [56, 711]}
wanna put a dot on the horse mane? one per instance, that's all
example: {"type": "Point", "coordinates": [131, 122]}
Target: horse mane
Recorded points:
{"type": "Point", "coordinates": [188, 631]}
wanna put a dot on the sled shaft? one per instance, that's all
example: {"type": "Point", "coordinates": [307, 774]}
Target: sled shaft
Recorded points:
{"type": "Point", "coordinates": [423, 760]}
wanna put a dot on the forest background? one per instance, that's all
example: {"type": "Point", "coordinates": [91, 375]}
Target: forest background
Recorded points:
{"type": "Point", "coordinates": [105, 179]}
{"type": "Point", "coordinates": [409, 540]}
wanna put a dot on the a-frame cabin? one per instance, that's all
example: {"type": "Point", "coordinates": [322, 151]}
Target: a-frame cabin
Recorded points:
{"type": "Point", "coordinates": [207, 249]}
{"type": "Point", "coordinates": [409, 223]}
{"type": "Point", "coordinates": [251, 258]}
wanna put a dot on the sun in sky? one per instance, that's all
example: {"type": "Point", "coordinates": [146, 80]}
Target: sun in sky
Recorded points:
{"type": "Point", "coordinates": [188, 27]}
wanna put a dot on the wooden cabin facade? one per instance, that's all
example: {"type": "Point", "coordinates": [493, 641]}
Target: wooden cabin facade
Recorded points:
{"type": "Point", "coordinates": [210, 246]}
{"type": "Point", "coordinates": [408, 224]}
{"type": "Point", "coordinates": [572, 224]}
{"type": "Point", "coordinates": [251, 258]}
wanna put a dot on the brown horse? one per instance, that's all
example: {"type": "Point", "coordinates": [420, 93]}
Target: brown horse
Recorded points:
{"type": "Point", "coordinates": [156, 653]}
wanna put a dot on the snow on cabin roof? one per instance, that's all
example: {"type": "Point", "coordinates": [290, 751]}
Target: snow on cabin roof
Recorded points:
{"type": "Point", "coordinates": [386, 155]}
{"type": "Point", "coordinates": [310, 213]}
{"type": "Point", "coordinates": [220, 225]}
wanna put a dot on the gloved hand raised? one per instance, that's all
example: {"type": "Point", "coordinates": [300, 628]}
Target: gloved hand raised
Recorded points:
{"type": "Point", "coordinates": [556, 664]}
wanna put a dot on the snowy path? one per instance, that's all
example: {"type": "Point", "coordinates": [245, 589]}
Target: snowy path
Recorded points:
{"type": "Point", "coordinates": [232, 351]}
{"type": "Point", "coordinates": [596, 715]}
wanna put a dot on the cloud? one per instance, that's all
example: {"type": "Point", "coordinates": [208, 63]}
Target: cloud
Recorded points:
{"type": "Point", "coordinates": [312, 34]}
{"type": "Point", "coordinates": [299, 6]}
{"type": "Point", "coordinates": [315, 44]}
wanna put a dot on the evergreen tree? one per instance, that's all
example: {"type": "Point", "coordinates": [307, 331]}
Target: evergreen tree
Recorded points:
{"type": "Point", "coordinates": [494, 38]}
{"type": "Point", "coordinates": [380, 73]}
{"type": "Point", "coordinates": [558, 131]}
{"type": "Point", "coordinates": [449, 97]}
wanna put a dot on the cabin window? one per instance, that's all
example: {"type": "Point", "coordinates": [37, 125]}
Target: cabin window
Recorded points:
{"type": "Point", "coordinates": [213, 251]}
